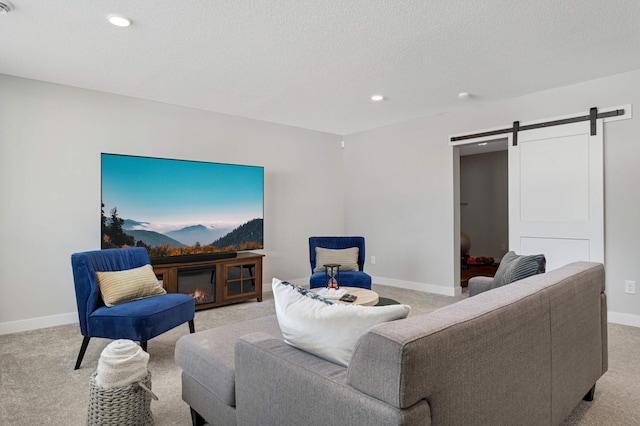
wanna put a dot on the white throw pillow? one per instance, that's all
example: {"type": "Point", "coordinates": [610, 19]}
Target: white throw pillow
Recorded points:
{"type": "Point", "coordinates": [346, 258]}
{"type": "Point", "coordinates": [323, 328]}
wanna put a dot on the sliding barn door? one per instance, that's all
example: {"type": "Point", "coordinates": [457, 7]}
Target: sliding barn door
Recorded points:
{"type": "Point", "coordinates": [556, 200]}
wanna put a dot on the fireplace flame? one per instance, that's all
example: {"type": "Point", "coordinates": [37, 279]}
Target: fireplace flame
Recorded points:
{"type": "Point", "coordinates": [199, 295]}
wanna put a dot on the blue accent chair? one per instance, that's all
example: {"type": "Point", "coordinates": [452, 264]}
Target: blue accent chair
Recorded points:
{"type": "Point", "coordinates": [347, 278]}
{"type": "Point", "coordinates": [138, 320]}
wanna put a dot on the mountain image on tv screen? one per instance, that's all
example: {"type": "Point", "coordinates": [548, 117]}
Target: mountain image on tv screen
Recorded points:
{"type": "Point", "coordinates": [179, 207]}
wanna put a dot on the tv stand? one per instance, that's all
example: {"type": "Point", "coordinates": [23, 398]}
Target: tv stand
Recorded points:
{"type": "Point", "coordinates": [214, 282]}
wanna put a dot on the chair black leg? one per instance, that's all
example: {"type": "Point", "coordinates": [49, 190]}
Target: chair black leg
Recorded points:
{"type": "Point", "coordinates": [192, 327]}
{"type": "Point", "coordinates": [196, 418]}
{"type": "Point", "coordinates": [590, 394]}
{"type": "Point", "coordinates": [144, 345]}
{"type": "Point", "coordinates": [83, 349]}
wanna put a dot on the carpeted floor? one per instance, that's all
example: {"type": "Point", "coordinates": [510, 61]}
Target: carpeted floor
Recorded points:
{"type": "Point", "coordinates": [39, 386]}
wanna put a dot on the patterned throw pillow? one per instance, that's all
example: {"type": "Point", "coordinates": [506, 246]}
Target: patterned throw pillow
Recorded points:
{"type": "Point", "coordinates": [306, 293]}
{"type": "Point", "coordinates": [515, 267]}
{"type": "Point", "coordinates": [327, 330]}
{"type": "Point", "coordinates": [346, 258]}
{"type": "Point", "coordinates": [131, 284]}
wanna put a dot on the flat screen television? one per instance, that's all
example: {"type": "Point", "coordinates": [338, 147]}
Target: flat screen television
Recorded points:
{"type": "Point", "coordinates": [181, 210]}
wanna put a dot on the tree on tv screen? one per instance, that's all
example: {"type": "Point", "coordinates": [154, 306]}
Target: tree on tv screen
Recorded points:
{"type": "Point", "coordinates": [112, 233]}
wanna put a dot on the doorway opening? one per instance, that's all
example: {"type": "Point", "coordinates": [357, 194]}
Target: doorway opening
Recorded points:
{"type": "Point", "coordinates": [483, 207]}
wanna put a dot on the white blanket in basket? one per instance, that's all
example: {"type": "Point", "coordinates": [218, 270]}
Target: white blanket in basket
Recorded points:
{"type": "Point", "coordinates": [121, 363]}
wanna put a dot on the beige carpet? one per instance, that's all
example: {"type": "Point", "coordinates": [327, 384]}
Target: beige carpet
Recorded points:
{"type": "Point", "coordinates": [39, 386]}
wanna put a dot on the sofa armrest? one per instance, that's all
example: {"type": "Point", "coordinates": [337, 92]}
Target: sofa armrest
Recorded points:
{"type": "Point", "coordinates": [279, 384]}
{"type": "Point", "coordinates": [478, 285]}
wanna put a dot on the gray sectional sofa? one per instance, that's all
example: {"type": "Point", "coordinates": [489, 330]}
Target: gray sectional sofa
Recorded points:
{"type": "Point", "coordinates": [522, 354]}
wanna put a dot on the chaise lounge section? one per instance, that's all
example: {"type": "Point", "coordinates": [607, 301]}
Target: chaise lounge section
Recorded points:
{"type": "Point", "coordinates": [525, 353]}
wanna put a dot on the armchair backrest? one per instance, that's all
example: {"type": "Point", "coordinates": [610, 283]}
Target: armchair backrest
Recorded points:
{"type": "Point", "coordinates": [336, 243]}
{"type": "Point", "coordinates": [86, 264]}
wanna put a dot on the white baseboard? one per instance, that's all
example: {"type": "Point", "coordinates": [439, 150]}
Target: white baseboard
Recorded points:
{"type": "Point", "coordinates": [427, 288]}
{"type": "Point", "coordinates": [36, 323]}
{"type": "Point", "coordinates": [302, 282]}
{"type": "Point", "coordinates": [623, 319]}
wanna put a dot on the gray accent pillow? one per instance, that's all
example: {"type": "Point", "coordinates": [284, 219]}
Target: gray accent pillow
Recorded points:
{"type": "Point", "coordinates": [346, 258]}
{"type": "Point", "coordinates": [515, 267]}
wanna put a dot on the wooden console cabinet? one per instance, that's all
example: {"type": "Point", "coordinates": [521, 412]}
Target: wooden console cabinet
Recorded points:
{"type": "Point", "coordinates": [215, 282]}
{"type": "Point", "coordinates": [474, 271]}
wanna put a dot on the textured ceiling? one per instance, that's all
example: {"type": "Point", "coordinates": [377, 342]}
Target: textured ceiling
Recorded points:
{"type": "Point", "coordinates": [314, 64]}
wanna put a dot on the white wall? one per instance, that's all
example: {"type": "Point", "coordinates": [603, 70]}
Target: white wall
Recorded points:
{"type": "Point", "coordinates": [51, 137]}
{"type": "Point", "coordinates": [399, 187]}
{"type": "Point", "coordinates": [399, 196]}
{"type": "Point", "coordinates": [484, 202]}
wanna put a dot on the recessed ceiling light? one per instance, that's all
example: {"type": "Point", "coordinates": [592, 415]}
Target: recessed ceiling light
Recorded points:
{"type": "Point", "coordinates": [119, 21]}
{"type": "Point", "coordinates": [463, 96]}
{"type": "Point", "coordinates": [377, 97]}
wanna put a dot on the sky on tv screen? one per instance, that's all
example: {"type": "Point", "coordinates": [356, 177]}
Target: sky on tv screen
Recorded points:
{"type": "Point", "coordinates": [166, 194]}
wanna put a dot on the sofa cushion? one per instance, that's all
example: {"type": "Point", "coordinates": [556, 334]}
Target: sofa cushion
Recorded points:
{"type": "Point", "coordinates": [346, 258]}
{"type": "Point", "coordinates": [515, 267]}
{"type": "Point", "coordinates": [131, 284]}
{"type": "Point", "coordinates": [208, 356]}
{"type": "Point", "coordinates": [347, 279]}
{"type": "Point", "coordinates": [327, 330]}
{"type": "Point", "coordinates": [142, 320]}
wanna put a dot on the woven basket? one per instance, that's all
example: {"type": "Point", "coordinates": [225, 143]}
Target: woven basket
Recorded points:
{"type": "Point", "coordinates": [121, 406]}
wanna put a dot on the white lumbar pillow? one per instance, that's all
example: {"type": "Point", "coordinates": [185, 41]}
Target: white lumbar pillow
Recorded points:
{"type": "Point", "coordinates": [323, 328]}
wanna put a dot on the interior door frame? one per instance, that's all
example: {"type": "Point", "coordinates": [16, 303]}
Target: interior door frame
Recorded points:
{"type": "Point", "coordinates": [628, 113]}
{"type": "Point", "coordinates": [456, 196]}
